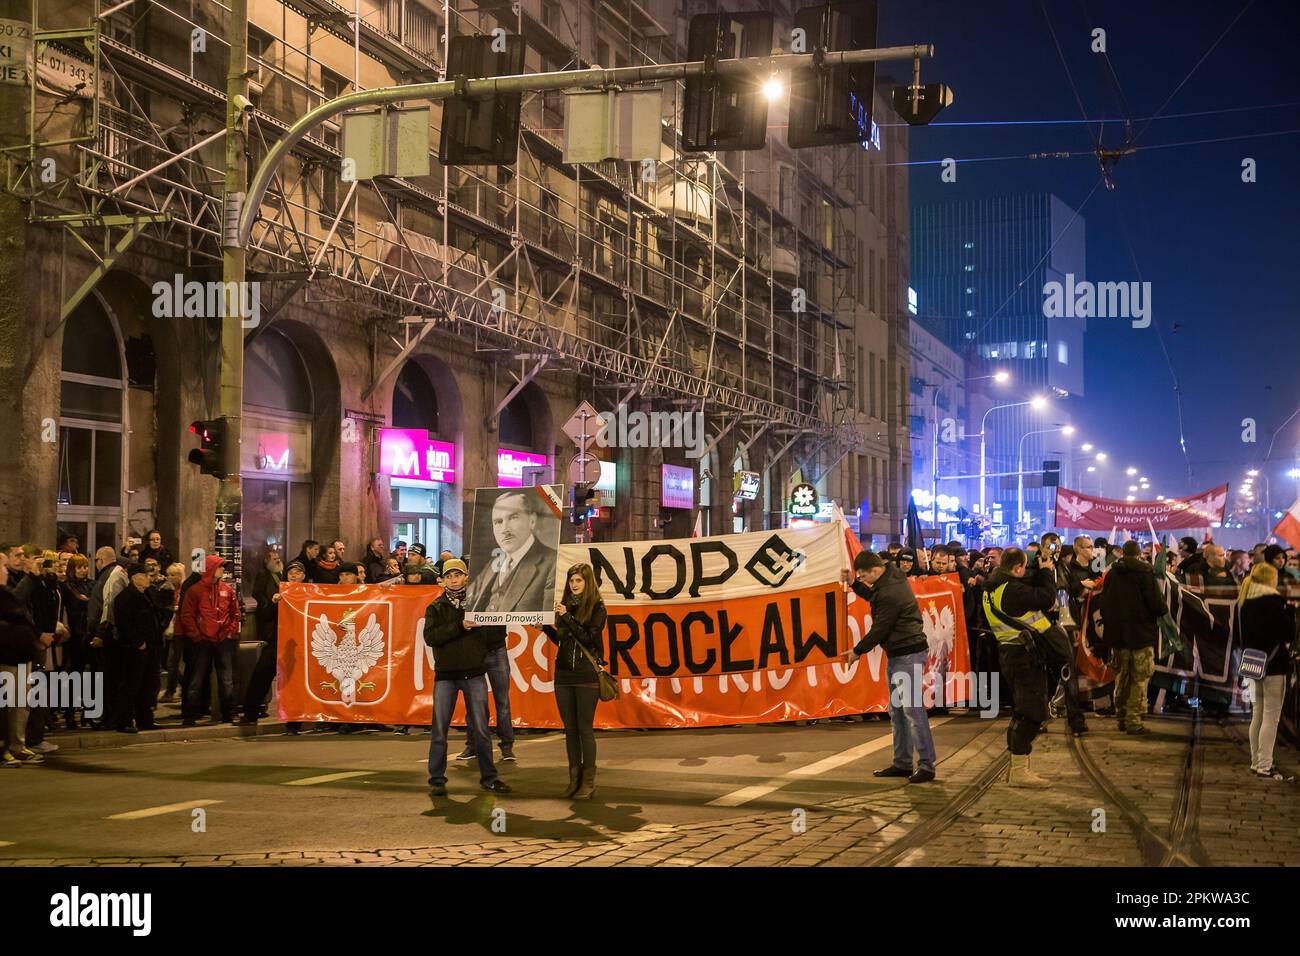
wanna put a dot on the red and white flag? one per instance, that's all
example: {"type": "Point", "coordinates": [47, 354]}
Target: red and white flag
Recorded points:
{"type": "Point", "coordinates": [698, 530]}
{"type": "Point", "coordinates": [1289, 527]}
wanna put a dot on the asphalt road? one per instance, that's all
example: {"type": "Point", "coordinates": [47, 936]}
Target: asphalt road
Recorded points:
{"type": "Point", "coordinates": [277, 793]}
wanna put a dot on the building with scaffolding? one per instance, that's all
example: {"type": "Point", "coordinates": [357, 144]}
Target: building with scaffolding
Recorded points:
{"type": "Point", "coordinates": [476, 304]}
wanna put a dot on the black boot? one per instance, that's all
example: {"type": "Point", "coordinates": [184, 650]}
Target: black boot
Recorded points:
{"type": "Point", "coordinates": [575, 780]}
{"type": "Point", "coordinates": [588, 785]}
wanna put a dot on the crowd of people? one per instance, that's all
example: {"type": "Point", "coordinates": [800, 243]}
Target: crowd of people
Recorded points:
{"type": "Point", "coordinates": [151, 629]}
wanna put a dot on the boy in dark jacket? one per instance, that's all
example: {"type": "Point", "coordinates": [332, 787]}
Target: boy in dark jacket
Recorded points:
{"type": "Point", "coordinates": [896, 626]}
{"type": "Point", "coordinates": [459, 655]}
{"type": "Point", "coordinates": [1131, 608]}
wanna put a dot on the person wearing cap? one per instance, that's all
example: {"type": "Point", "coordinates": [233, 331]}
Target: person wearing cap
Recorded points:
{"type": "Point", "coordinates": [417, 554]}
{"type": "Point", "coordinates": [138, 632]}
{"type": "Point", "coordinates": [351, 573]}
{"type": "Point", "coordinates": [210, 619]}
{"type": "Point", "coordinates": [459, 666]}
{"type": "Point", "coordinates": [896, 627]}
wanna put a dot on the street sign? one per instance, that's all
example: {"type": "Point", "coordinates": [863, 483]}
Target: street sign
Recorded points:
{"type": "Point", "coordinates": [612, 124]}
{"type": "Point", "coordinates": [582, 427]}
{"type": "Point", "coordinates": [390, 141]}
{"type": "Point", "coordinates": [584, 470]}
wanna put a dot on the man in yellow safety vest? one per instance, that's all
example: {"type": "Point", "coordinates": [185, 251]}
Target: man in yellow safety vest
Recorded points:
{"type": "Point", "coordinates": [1016, 602]}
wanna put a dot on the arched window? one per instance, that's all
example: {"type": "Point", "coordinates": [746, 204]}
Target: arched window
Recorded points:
{"type": "Point", "coordinates": [91, 413]}
{"type": "Point", "coordinates": [276, 450]}
{"type": "Point", "coordinates": [517, 423]}
{"type": "Point", "coordinates": [415, 402]}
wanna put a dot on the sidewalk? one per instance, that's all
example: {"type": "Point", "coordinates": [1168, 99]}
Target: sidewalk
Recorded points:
{"type": "Point", "coordinates": [168, 716]}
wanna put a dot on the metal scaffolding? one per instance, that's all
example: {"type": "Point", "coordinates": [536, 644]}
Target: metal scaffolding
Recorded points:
{"type": "Point", "coordinates": [676, 285]}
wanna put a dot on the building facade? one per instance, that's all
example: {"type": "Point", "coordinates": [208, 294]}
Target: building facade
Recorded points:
{"type": "Point", "coordinates": [979, 270]}
{"type": "Point", "coordinates": [476, 305]}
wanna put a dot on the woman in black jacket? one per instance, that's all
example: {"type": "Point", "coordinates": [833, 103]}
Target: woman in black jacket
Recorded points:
{"type": "Point", "coordinates": [153, 548]}
{"type": "Point", "coordinates": [1267, 624]}
{"type": "Point", "coordinates": [579, 624]}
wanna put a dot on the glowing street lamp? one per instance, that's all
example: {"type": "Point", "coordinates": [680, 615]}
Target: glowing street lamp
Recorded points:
{"type": "Point", "coordinates": [1130, 471]}
{"type": "Point", "coordinates": [1086, 446]}
{"type": "Point", "coordinates": [773, 88]}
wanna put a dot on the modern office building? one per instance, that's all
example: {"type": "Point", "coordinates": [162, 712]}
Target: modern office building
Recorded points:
{"type": "Point", "coordinates": [979, 268]}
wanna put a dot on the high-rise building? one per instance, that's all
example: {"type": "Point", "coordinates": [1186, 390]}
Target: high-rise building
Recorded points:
{"type": "Point", "coordinates": [979, 268]}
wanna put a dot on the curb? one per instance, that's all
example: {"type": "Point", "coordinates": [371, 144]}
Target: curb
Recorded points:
{"type": "Point", "coordinates": [110, 739]}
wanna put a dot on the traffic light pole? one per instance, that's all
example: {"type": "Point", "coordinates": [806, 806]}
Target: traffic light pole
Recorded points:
{"type": "Point", "coordinates": [228, 523]}
{"type": "Point", "coordinates": [596, 78]}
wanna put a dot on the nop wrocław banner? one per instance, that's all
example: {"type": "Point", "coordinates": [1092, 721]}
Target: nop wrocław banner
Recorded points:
{"type": "Point", "coordinates": [1074, 509]}
{"type": "Point", "coordinates": [705, 636]}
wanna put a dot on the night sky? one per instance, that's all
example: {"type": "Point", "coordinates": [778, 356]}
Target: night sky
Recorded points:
{"type": "Point", "coordinates": [1221, 254]}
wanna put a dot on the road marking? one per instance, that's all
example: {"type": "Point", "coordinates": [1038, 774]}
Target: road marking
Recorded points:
{"type": "Point", "coordinates": [6, 842]}
{"type": "Point", "coordinates": [747, 794]}
{"type": "Point", "coordinates": [159, 811]}
{"type": "Point", "coordinates": [328, 778]}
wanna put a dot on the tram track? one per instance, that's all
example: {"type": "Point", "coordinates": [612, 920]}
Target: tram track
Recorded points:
{"type": "Point", "coordinates": [1178, 843]}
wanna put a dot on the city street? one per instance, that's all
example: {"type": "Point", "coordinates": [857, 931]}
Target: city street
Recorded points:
{"type": "Point", "coordinates": [725, 797]}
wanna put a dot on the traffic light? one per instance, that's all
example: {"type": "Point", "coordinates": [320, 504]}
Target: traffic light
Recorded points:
{"type": "Point", "coordinates": [582, 495]}
{"type": "Point", "coordinates": [1051, 473]}
{"type": "Point", "coordinates": [212, 439]}
{"type": "Point", "coordinates": [483, 131]}
{"type": "Point", "coordinates": [724, 113]}
{"type": "Point", "coordinates": [930, 98]}
{"type": "Point", "coordinates": [830, 105]}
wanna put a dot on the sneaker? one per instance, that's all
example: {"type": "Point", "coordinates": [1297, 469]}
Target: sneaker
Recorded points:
{"type": "Point", "coordinates": [496, 786]}
{"type": "Point", "coordinates": [45, 747]}
{"type": "Point", "coordinates": [1137, 730]}
{"type": "Point", "coordinates": [401, 730]}
{"type": "Point", "coordinates": [922, 776]}
{"type": "Point", "coordinates": [508, 754]}
{"type": "Point", "coordinates": [10, 760]}
{"type": "Point", "coordinates": [437, 789]}
{"type": "Point", "coordinates": [466, 754]}
{"type": "Point", "coordinates": [892, 771]}
{"type": "Point", "coordinates": [1274, 774]}
{"type": "Point", "coordinates": [29, 756]}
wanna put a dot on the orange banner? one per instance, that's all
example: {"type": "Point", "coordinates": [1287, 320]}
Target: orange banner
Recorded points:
{"type": "Point", "coordinates": [357, 655]}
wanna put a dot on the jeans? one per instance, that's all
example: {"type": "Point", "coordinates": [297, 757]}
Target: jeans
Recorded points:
{"type": "Point", "coordinates": [476, 718]}
{"type": "Point", "coordinates": [907, 712]}
{"type": "Point", "coordinates": [1265, 711]}
{"type": "Point", "coordinates": [498, 675]}
{"type": "Point", "coordinates": [577, 706]}
{"type": "Point", "coordinates": [206, 654]}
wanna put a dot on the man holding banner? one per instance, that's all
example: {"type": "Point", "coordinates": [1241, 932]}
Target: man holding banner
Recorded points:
{"type": "Point", "coordinates": [897, 627]}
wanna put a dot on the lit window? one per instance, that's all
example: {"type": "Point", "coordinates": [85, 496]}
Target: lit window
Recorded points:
{"type": "Point", "coordinates": [970, 291]}
{"type": "Point", "coordinates": [970, 268]}
{"type": "Point", "coordinates": [1062, 353]}
{"type": "Point", "coordinates": [969, 245]}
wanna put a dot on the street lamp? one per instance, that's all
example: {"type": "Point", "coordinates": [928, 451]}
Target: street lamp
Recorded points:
{"type": "Point", "coordinates": [1037, 402]}
{"type": "Point", "coordinates": [1020, 465]}
{"type": "Point", "coordinates": [1001, 377]}
{"type": "Point", "coordinates": [1130, 471]}
{"type": "Point", "coordinates": [1086, 446]}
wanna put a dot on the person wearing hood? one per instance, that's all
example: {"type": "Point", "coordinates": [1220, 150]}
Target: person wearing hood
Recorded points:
{"type": "Point", "coordinates": [1267, 624]}
{"type": "Point", "coordinates": [1016, 603]}
{"type": "Point", "coordinates": [210, 620]}
{"type": "Point", "coordinates": [1131, 609]}
{"type": "Point", "coordinates": [896, 626]}
{"type": "Point", "coordinates": [459, 665]}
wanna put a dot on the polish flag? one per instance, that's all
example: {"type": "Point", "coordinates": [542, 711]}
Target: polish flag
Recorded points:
{"type": "Point", "coordinates": [698, 530]}
{"type": "Point", "coordinates": [1289, 526]}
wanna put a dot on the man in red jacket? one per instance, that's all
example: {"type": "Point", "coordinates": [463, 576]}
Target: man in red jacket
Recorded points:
{"type": "Point", "coordinates": [210, 619]}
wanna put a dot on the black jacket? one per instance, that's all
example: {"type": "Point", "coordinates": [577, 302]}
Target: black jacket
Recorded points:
{"type": "Point", "coordinates": [1073, 576]}
{"type": "Point", "coordinates": [895, 616]}
{"type": "Point", "coordinates": [1267, 624]}
{"type": "Point", "coordinates": [571, 665]}
{"type": "Point", "coordinates": [265, 586]}
{"type": "Point", "coordinates": [1036, 591]}
{"type": "Point", "coordinates": [458, 652]}
{"type": "Point", "coordinates": [45, 600]}
{"type": "Point", "coordinates": [1131, 605]}
{"type": "Point", "coordinates": [374, 564]}
{"type": "Point", "coordinates": [20, 643]}
{"type": "Point", "coordinates": [76, 594]}
{"type": "Point", "coordinates": [135, 619]}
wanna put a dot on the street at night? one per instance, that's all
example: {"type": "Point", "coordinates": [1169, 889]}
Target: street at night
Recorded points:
{"type": "Point", "coordinates": [788, 436]}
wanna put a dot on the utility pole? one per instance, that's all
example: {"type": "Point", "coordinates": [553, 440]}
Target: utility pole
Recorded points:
{"type": "Point", "coordinates": [228, 522]}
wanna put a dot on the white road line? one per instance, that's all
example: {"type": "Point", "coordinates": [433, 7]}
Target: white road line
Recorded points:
{"type": "Point", "coordinates": [327, 778]}
{"type": "Point", "coordinates": [746, 794]}
{"type": "Point", "coordinates": [159, 811]}
{"type": "Point", "coordinates": [6, 842]}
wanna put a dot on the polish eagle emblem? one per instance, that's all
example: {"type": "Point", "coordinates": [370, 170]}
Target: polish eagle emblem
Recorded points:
{"type": "Point", "coordinates": [1076, 508]}
{"type": "Point", "coordinates": [349, 658]}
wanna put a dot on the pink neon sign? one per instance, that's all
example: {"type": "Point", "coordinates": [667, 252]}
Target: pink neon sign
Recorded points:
{"type": "Point", "coordinates": [411, 453]}
{"type": "Point", "coordinates": [511, 465]}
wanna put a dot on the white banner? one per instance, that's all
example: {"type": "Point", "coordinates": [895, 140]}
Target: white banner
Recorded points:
{"type": "Point", "coordinates": [725, 567]}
